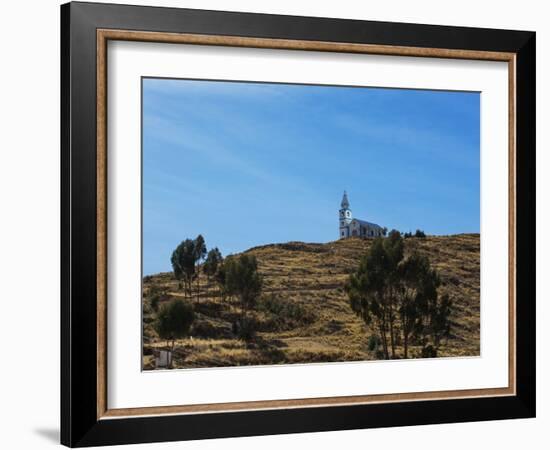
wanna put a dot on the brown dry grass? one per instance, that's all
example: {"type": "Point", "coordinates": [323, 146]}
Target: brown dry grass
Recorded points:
{"type": "Point", "coordinates": [313, 276]}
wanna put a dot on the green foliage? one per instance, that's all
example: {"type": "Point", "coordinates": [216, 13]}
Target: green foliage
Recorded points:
{"type": "Point", "coordinates": [219, 277]}
{"type": "Point", "coordinates": [183, 263]}
{"type": "Point", "coordinates": [417, 234]}
{"type": "Point", "coordinates": [284, 314]}
{"type": "Point", "coordinates": [155, 303]}
{"type": "Point", "coordinates": [440, 322]}
{"type": "Point", "coordinates": [428, 352]}
{"type": "Point", "coordinates": [417, 290]}
{"type": "Point", "coordinates": [369, 288]}
{"type": "Point", "coordinates": [156, 294]}
{"type": "Point", "coordinates": [245, 328]}
{"type": "Point", "coordinates": [174, 320]}
{"type": "Point", "coordinates": [395, 295]}
{"type": "Point", "coordinates": [200, 248]}
{"type": "Point", "coordinates": [285, 308]}
{"type": "Point", "coordinates": [185, 259]}
{"type": "Point", "coordinates": [373, 342]}
{"type": "Point", "coordinates": [243, 280]}
{"type": "Point", "coordinates": [212, 262]}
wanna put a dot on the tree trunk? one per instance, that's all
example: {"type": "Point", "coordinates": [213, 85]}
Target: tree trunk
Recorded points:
{"type": "Point", "coordinates": [171, 355]}
{"type": "Point", "coordinates": [384, 339]}
{"type": "Point", "coordinates": [391, 298]}
{"type": "Point", "coordinates": [392, 335]}
{"type": "Point", "coordinates": [198, 289]}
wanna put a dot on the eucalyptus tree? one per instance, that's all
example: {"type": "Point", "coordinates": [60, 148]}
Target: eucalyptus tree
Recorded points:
{"type": "Point", "coordinates": [174, 321]}
{"type": "Point", "coordinates": [400, 296]}
{"type": "Point", "coordinates": [243, 280]}
{"type": "Point", "coordinates": [366, 289]}
{"type": "Point", "coordinates": [186, 260]}
{"type": "Point", "coordinates": [212, 263]}
{"type": "Point", "coordinates": [199, 253]}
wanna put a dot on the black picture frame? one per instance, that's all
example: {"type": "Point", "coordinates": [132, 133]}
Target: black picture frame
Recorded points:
{"type": "Point", "coordinates": [79, 423]}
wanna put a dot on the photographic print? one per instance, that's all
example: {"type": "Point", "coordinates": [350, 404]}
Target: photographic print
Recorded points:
{"type": "Point", "coordinates": [295, 205]}
{"type": "Point", "coordinates": [299, 224]}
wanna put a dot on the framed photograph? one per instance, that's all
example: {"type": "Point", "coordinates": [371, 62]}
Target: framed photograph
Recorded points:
{"type": "Point", "coordinates": [277, 224]}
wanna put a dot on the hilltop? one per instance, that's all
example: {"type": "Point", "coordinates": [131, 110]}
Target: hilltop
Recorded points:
{"type": "Point", "coordinates": [304, 314]}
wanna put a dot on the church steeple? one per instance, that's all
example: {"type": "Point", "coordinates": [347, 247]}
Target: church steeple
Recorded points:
{"type": "Point", "coordinates": [345, 202]}
{"type": "Point", "coordinates": [344, 217]}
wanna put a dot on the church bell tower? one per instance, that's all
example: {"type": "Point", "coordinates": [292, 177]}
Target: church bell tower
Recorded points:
{"type": "Point", "coordinates": [344, 217]}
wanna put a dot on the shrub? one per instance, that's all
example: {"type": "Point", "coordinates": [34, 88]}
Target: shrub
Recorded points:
{"type": "Point", "coordinates": [419, 234]}
{"type": "Point", "coordinates": [155, 303]}
{"type": "Point", "coordinates": [156, 295]}
{"type": "Point", "coordinates": [243, 280]}
{"type": "Point", "coordinates": [213, 260]}
{"type": "Point", "coordinates": [429, 352]}
{"type": "Point", "coordinates": [245, 328]}
{"type": "Point", "coordinates": [285, 314]}
{"type": "Point", "coordinates": [174, 320]}
{"type": "Point", "coordinates": [204, 329]}
{"type": "Point", "coordinates": [373, 342]}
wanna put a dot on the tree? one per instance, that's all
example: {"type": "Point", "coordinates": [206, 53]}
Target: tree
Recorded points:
{"type": "Point", "coordinates": [434, 312]}
{"type": "Point", "coordinates": [366, 289]}
{"type": "Point", "coordinates": [399, 295]}
{"type": "Point", "coordinates": [200, 253]}
{"type": "Point", "coordinates": [410, 291]}
{"type": "Point", "coordinates": [186, 259]}
{"type": "Point", "coordinates": [174, 321]}
{"type": "Point", "coordinates": [212, 262]}
{"type": "Point", "coordinates": [395, 251]}
{"type": "Point", "coordinates": [219, 277]}
{"type": "Point", "coordinates": [419, 234]}
{"type": "Point", "coordinates": [183, 263]}
{"type": "Point", "coordinates": [243, 280]}
{"type": "Point", "coordinates": [440, 320]}
{"type": "Point", "coordinates": [156, 295]}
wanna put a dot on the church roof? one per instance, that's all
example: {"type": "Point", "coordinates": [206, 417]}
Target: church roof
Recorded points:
{"type": "Point", "coordinates": [368, 224]}
{"type": "Point", "coordinates": [345, 202]}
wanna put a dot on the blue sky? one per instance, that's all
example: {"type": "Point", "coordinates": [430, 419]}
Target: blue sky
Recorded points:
{"type": "Point", "coordinates": [247, 164]}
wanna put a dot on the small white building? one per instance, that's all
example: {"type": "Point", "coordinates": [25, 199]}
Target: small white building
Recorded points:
{"type": "Point", "coordinates": [349, 227]}
{"type": "Point", "coordinates": [163, 359]}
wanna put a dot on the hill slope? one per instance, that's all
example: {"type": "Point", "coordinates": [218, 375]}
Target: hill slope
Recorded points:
{"type": "Point", "coordinates": [304, 314]}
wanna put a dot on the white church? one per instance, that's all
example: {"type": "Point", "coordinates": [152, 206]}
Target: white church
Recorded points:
{"type": "Point", "coordinates": [350, 227]}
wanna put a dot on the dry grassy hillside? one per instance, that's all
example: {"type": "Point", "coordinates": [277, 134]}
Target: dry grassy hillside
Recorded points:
{"type": "Point", "coordinates": [304, 314]}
